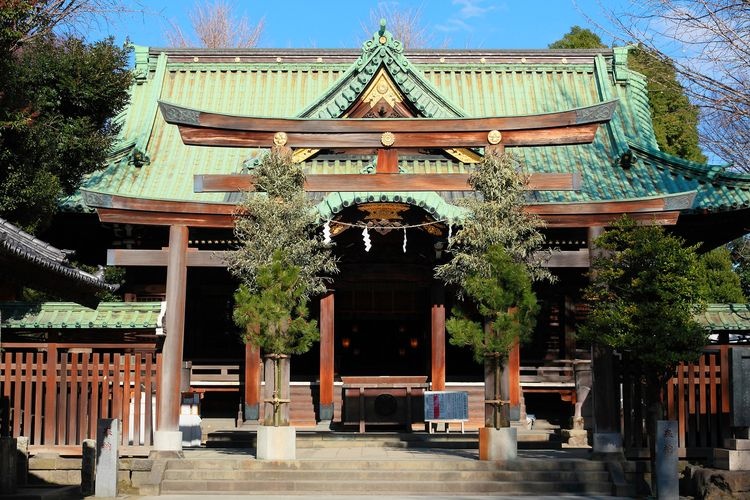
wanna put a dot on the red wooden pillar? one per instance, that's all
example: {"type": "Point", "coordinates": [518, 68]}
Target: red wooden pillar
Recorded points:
{"type": "Point", "coordinates": [514, 378]}
{"type": "Point", "coordinates": [252, 383]}
{"type": "Point", "coordinates": [326, 356]}
{"type": "Point", "coordinates": [438, 338]}
{"type": "Point", "coordinates": [168, 436]}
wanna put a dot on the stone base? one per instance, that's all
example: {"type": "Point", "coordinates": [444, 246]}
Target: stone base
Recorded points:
{"type": "Point", "coordinates": [607, 443]}
{"type": "Point", "coordinates": [577, 438]}
{"type": "Point", "coordinates": [498, 444]}
{"type": "Point", "coordinates": [168, 441]}
{"type": "Point", "coordinates": [276, 443]}
{"type": "Point", "coordinates": [732, 459]}
{"type": "Point", "coordinates": [251, 413]}
{"type": "Point", "coordinates": [326, 412]}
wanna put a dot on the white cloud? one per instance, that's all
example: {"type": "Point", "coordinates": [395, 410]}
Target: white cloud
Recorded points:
{"type": "Point", "coordinates": [454, 25]}
{"type": "Point", "coordinates": [472, 8]}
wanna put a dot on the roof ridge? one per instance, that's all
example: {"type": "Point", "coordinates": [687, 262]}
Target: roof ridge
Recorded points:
{"type": "Point", "coordinates": [382, 51]}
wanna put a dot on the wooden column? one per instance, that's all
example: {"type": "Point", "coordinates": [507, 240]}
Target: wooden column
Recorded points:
{"type": "Point", "coordinates": [326, 356]}
{"type": "Point", "coordinates": [512, 380]}
{"type": "Point", "coordinates": [607, 438]}
{"type": "Point", "coordinates": [438, 338]}
{"type": "Point", "coordinates": [252, 383]}
{"type": "Point", "coordinates": [166, 437]}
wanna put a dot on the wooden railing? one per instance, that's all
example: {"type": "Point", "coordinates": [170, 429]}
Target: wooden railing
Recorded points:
{"type": "Point", "coordinates": [55, 398]}
{"type": "Point", "coordinates": [697, 398]}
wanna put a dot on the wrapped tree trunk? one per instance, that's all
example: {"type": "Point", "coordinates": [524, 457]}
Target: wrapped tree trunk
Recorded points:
{"type": "Point", "coordinates": [276, 392]}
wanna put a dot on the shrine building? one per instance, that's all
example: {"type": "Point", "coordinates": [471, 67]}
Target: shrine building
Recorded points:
{"type": "Point", "coordinates": [387, 138]}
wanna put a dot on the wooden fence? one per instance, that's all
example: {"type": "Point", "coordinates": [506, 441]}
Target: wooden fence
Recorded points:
{"type": "Point", "coordinates": [55, 398]}
{"type": "Point", "coordinates": [697, 398]}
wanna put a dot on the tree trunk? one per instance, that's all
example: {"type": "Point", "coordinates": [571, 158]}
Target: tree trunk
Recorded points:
{"type": "Point", "coordinates": [276, 393]}
{"type": "Point", "coordinates": [497, 411]}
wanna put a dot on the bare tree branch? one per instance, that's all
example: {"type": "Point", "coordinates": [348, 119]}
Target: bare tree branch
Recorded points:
{"type": "Point", "coordinates": [405, 24]}
{"type": "Point", "coordinates": [216, 26]}
{"type": "Point", "coordinates": [708, 42]}
{"type": "Point", "coordinates": [73, 16]}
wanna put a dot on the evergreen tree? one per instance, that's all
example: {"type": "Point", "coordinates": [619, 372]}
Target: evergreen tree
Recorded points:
{"type": "Point", "coordinates": [578, 38]}
{"type": "Point", "coordinates": [674, 118]}
{"type": "Point", "coordinates": [644, 296]}
{"type": "Point", "coordinates": [57, 100]}
{"type": "Point", "coordinates": [493, 265]}
{"type": "Point", "coordinates": [720, 281]}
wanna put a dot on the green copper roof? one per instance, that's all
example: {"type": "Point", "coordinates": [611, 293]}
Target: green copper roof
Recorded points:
{"type": "Point", "coordinates": [69, 315]}
{"type": "Point", "coordinates": [726, 317]}
{"type": "Point", "coordinates": [152, 162]}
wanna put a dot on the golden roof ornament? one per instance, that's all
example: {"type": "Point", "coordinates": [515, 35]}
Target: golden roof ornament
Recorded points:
{"type": "Point", "coordinates": [387, 139]}
{"type": "Point", "coordinates": [280, 138]}
{"type": "Point", "coordinates": [494, 137]}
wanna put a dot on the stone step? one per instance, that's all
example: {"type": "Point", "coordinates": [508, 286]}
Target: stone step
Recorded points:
{"type": "Point", "coordinates": [384, 475]}
{"type": "Point", "coordinates": [242, 438]}
{"type": "Point", "coordinates": [342, 486]}
{"type": "Point", "coordinates": [250, 464]}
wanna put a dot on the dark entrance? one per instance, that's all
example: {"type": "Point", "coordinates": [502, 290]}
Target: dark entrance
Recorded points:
{"type": "Point", "coordinates": [383, 329]}
{"type": "Point", "coordinates": [383, 296]}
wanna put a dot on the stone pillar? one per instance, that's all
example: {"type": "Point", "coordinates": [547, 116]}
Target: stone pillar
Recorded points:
{"type": "Point", "coordinates": [168, 436]}
{"type": "Point", "coordinates": [667, 472]}
{"type": "Point", "coordinates": [251, 410]}
{"type": "Point", "coordinates": [605, 393]}
{"type": "Point", "coordinates": [437, 357]}
{"type": "Point", "coordinates": [326, 356]}
{"type": "Point", "coordinates": [107, 456]}
{"type": "Point", "coordinates": [8, 473]}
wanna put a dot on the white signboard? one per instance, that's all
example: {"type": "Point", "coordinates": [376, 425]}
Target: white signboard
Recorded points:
{"type": "Point", "coordinates": [446, 405]}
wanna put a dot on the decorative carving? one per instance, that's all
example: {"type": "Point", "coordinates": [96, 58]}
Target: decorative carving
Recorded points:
{"type": "Point", "coordinates": [464, 155]}
{"type": "Point", "coordinates": [138, 158]}
{"type": "Point", "coordinates": [175, 114]}
{"type": "Point", "coordinates": [93, 199]}
{"type": "Point", "coordinates": [387, 139]}
{"type": "Point", "coordinates": [494, 137]}
{"type": "Point", "coordinates": [682, 201]}
{"type": "Point", "coordinates": [600, 112]}
{"type": "Point", "coordinates": [383, 211]}
{"type": "Point", "coordinates": [280, 138]}
{"type": "Point", "coordinates": [303, 154]}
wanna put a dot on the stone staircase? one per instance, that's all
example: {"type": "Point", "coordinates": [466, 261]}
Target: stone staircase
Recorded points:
{"type": "Point", "coordinates": [427, 477]}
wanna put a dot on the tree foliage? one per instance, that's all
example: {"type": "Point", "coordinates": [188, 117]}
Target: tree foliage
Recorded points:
{"type": "Point", "coordinates": [644, 295]}
{"type": "Point", "coordinates": [277, 228]}
{"type": "Point", "coordinates": [495, 218]}
{"type": "Point", "coordinates": [740, 252]}
{"type": "Point", "coordinates": [503, 307]}
{"type": "Point", "coordinates": [216, 26]}
{"type": "Point", "coordinates": [57, 100]}
{"type": "Point", "coordinates": [721, 284]}
{"type": "Point", "coordinates": [578, 38]}
{"type": "Point", "coordinates": [674, 118]}
{"type": "Point", "coordinates": [274, 316]}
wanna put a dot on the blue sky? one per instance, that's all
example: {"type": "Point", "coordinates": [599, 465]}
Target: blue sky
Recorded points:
{"type": "Point", "coordinates": [477, 24]}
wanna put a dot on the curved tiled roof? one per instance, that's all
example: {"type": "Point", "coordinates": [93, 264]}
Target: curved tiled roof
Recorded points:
{"type": "Point", "coordinates": [152, 162]}
{"type": "Point", "coordinates": [23, 247]}
{"type": "Point", "coordinates": [68, 315]}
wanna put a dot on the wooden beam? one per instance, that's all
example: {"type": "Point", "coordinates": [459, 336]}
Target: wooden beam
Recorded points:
{"type": "Point", "coordinates": [450, 138]}
{"type": "Point", "coordinates": [209, 183]}
{"type": "Point", "coordinates": [217, 258]}
{"type": "Point", "coordinates": [662, 210]}
{"type": "Point", "coordinates": [178, 115]}
{"type": "Point", "coordinates": [387, 161]}
{"type": "Point", "coordinates": [195, 257]}
{"type": "Point", "coordinates": [327, 348]}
